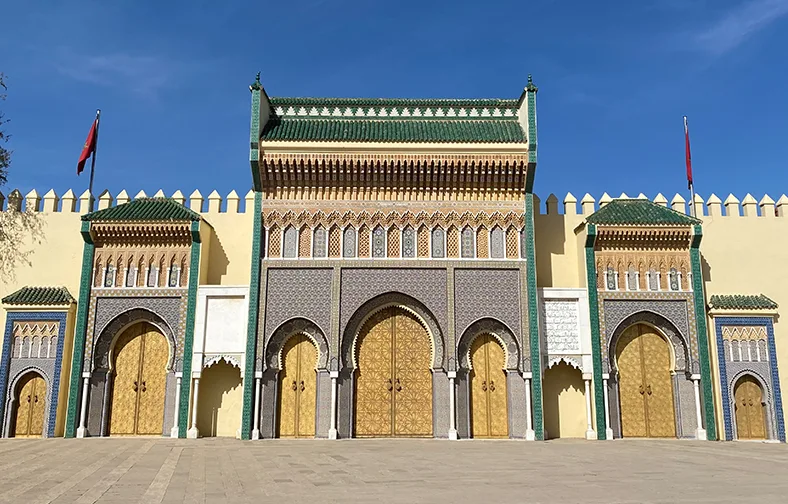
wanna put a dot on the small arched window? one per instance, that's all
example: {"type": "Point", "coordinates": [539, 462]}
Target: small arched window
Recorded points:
{"type": "Point", "coordinates": [291, 242]}
{"type": "Point", "coordinates": [467, 251]}
{"type": "Point", "coordinates": [319, 242]}
{"type": "Point", "coordinates": [349, 242]}
{"type": "Point", "coordinates": [408, 242]}
{"type": "Point", "coordinates": [497, 243]}
{"type": "Point", "coordinates": [438, 243]}
{"type": "Point", "coordinates": [379, 242]}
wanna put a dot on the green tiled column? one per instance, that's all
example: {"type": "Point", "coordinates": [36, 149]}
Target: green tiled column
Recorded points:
{"type": "Point", "coordinates": [703, 341]}
{"type": "Point", "coordinates": [533, 319]}
{"type": "Point", "coordinates": [251, 323]}
{"type": "Point", "coordinates": [596, 341]}
{"type": "Point", "coordinates": [188, 340]}
{"type": "Point", "coordinates": [74, 388]}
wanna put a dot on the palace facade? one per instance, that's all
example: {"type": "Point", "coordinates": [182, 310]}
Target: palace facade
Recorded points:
{"type": "Point", "coordinates": [392, 274]}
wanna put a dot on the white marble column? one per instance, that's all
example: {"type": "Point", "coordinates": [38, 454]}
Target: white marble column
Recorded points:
{"type": "Point", "coordinates": [530, 435]}
{"type": "Point", "coordinates": [83, 410]}
{"type": "Point", "coordinates": [174, 430]}
{"type": "Point", "coordinates": [700, 432]}
{"type": "Point", "coordinates": [193, 432]}
{"type": "Point", "coordinates": [590, 434]}
{"type": "Point", "coordinates": [332, 430]}
{"type": "Point", "coordinates": [452, 406]}
{"type": "Point", "coordinates": [608, 429]}
{"type": "Point", "coordinates": [258, 378]}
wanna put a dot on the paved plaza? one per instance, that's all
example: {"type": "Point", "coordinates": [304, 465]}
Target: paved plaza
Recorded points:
{"type": "Point", "coordinates": [153, 470]}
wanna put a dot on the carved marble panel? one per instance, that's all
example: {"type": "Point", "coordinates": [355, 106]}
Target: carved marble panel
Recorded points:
{"type": "Point", "coordinates": [561, 318]}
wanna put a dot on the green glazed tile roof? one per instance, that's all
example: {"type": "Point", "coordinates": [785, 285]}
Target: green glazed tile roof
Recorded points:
{"type": "Point", "coordinates": [742, 302]}
{"type": "Point", "coordinates": [344, 130]}
{"type": "Point", "coordinates": [46, 296]}
{"type": "Point", "coordinates": [639, 212]}
{"type": "Point", "coordinates": [145, 209]}
{"type": "Point", "coordinates": [394, 120]}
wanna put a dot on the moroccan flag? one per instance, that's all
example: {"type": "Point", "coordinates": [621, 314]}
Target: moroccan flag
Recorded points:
{"type": "Point", "coordinates": [90, 146]}
{"type": "Point", "coordinates": [687, 154]}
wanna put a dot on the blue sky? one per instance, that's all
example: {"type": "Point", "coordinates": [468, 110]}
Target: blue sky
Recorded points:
{"type": "Point", "coordinates": [615, 79]}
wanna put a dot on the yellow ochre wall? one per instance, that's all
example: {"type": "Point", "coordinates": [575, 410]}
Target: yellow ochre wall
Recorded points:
{"type": "Point", "coordinates": [563, 396]}
{"type": "Point", "coordinates": [221, 401]}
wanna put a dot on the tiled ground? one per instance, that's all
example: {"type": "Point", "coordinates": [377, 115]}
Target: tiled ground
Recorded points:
{"type": "Point", "coordinates": [401, 471]}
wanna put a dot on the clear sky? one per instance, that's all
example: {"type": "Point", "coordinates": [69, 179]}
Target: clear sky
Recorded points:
{"type": "Point", "coordinates": [614, 77]}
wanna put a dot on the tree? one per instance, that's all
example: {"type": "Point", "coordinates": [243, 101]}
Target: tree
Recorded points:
{"type": "Point", "coordinates": [19, 231]}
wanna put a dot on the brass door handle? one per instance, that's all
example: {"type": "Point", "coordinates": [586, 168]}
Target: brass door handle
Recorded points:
{"type": "Point", "coordinates": [144, 388]}
{"type": "Point", "coordinates": [302, 386]}
{"type": "Point", "coordinates": [642, 390]}
{"type": "Point", "coordinates": [648, 389]}
{"type": "Point", "coordinates": [484, 385]}
{"type": "Point", "coordinates": [36, 399]}
{"type": "Point", "coordinates": [295, 385]}
{"type": "Point", "coordinates": [135, 387]}
{"type": "Point", "coordinates": [492, 386]}
{"type": "Point", "coordinates": [399, 387]}
{"type": "Point", "coordinates": [391, 385]}
{"type": "Point", "coordinates": [28, 398]}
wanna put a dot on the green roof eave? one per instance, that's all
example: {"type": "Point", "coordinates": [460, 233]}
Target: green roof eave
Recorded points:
{"type": "Point", "coordinates": [741, 302]}
{"type": "Point", "coordinates": [281, 101]}
{"type": "Point", "coordinates": [145, 210]}
{"type": "Point", "coordinates": [399, 131]}
{"type": "Point", "coordinates": [639, 212]}
{"type": "Point", "coordinates": [41, 296]}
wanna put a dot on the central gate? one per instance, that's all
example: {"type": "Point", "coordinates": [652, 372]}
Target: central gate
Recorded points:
{"type": "Point", "coordinates": [393, 379]}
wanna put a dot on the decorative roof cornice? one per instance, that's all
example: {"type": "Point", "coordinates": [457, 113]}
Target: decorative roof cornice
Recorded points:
{"type": "Point", "coordinates": [741, 302]}
{"type": "Point", "coordinates": [145, 210]}
{"type": "Point", "coordinates": [40, 296]}
{"type": "Point", "coordinates": [639, 213]}
{"type": "Point", "coordinates": [141, 233]}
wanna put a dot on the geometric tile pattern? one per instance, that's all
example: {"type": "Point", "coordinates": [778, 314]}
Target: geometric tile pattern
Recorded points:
{"type": "Point", "coordinates": [483, 293]}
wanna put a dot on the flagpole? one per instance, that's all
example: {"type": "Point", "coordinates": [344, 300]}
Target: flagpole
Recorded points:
{"type": "Point", "coordinates": [689, 168]}
{"type": "Point", "coordinates": [93, 161]}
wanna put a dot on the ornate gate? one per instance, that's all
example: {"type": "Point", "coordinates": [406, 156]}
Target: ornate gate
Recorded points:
{"type": "Point", "coordinates": [297, 388]}
{"type": "Point", "coordinates": [489, 416]}
{"type": "Point", "coordinates": [30, 409]}
{"type": "Point", "coordinates": [645, 388]}
{"type": "Point", "coordinates": [750, 420]}
{"type": "Point", "coordinates": [393, 378]}
{"type": "Point", "coordinates": [138, 390]}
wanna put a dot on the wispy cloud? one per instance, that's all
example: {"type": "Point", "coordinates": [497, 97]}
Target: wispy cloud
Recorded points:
{"type": "Point", "coordinates": [140, 74]}
{"type": "Point", "coordinates": [739, 24]}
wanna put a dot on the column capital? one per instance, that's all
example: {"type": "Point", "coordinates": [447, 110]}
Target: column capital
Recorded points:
{"type": "Point", "coordinates": [451, 374]}
{"type": "Point", "coordinates": [333, 374]}
{"type": "Point", "coordinates": [695, 377]}
{"type": "Point", "coordinates": [86, 374]}
{"type": "Point", "coordinates": [588, 376]}
{"type": "Point", "coordinates": [258, 374]}
{"type": "Point", "coordinates": [528, 375]}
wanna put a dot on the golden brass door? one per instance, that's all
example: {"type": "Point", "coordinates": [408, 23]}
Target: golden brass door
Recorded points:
{"type": "Point", "coordinates": [645, 388]}
{"type": "Point", "coordinates": [139, 382]}
{"type": "Point", "coordinates": [30, 410]}
{"type": "Point", "coordinates": [297, 388]}
{"type": "Point", "coordinates": [750, 419]}
{"type": "Point", "coordinates": [489, 417]}
{"type": "Point", "coordinates": [393, 393]}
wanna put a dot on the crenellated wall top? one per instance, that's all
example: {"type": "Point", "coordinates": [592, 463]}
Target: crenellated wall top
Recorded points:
{"type": "Point", "coordinates": [232, 203]}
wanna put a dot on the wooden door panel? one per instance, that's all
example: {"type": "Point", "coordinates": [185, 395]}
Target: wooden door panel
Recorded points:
{"type": "Point", "coordinates": [288, 387]}
{"type": "Point", "coordinates": [630, 384]}
{"type": "Point", "coordinates": [24, 405]}
{"type": "Point", "coordinates": [480, 424]}
{"type": "Point", "coordinates": [412, 377]}
{"type": "Point", "coordinates": [374, 377]}
{"type": "Point", "coordinates": [125, 386]}
{"type": "Point", "coordinates": [153, 381]}
{"type": "Point", "coordinates": [307, 387]}
{"type": "Point", "coordinates": [659, 388]}
{"type": "Point", "coordinates": [496, 389]}
{"type": "Point", "coordinates": [750, 419]}
{"type": "Point", "coordinates": [38, 401]}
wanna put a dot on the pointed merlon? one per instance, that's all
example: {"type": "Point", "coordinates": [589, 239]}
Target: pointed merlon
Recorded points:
{"type": "Point", "coordinates": [643, 196]}
{"type": "Point", "coordinates": [587, 204]}
{"type": "Point", "coordinates": [766, 200]}
{"type": "Point", "coordinates": [69, 202]}
{"type": "Point", "coordinates": [122, 198]}
{"type": "Point", "coordinates": [661, 200]}
{"type": "Point", "coordinates": [624, 196]}
{"type": "Point", "coordinates": [233, 202]}
{"type": "Point", "coordinates": [570, 204]}
{"type": "Point", "coordinates": [214, 202]}
{"type": "Point", "coordinates": [141, 194]}
{"type": "Point", "coordinates": [732, 206]}
{"type": "Point", "coordinates": [552, 204]}
{"type": "Point", "coordinates": [33, 201]}
{"type": "Point", "coordinates": [105, 200]}
{"type": "Point", "coordinates": [179, 197]}
{"type": "Point", "coordinates": [195, 201]}
{"type": "Point", "coordinates": [84, 202]}
{"type": "Point", "coordinates": [749, 206]}
{"type": "Point", "coordinates": [604, 200]}
{"type": "Point", "coordinates": [159, 194]}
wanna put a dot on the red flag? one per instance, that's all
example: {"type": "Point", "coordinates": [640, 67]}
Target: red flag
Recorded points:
{"type": "Point", "coordinates": [687, 152]}
{"type": "Point", "coordinates": [89, 148]}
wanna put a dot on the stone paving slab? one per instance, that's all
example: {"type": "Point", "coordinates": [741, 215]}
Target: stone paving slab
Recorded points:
{"type": "Point", "coordinates": [161, 470]}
